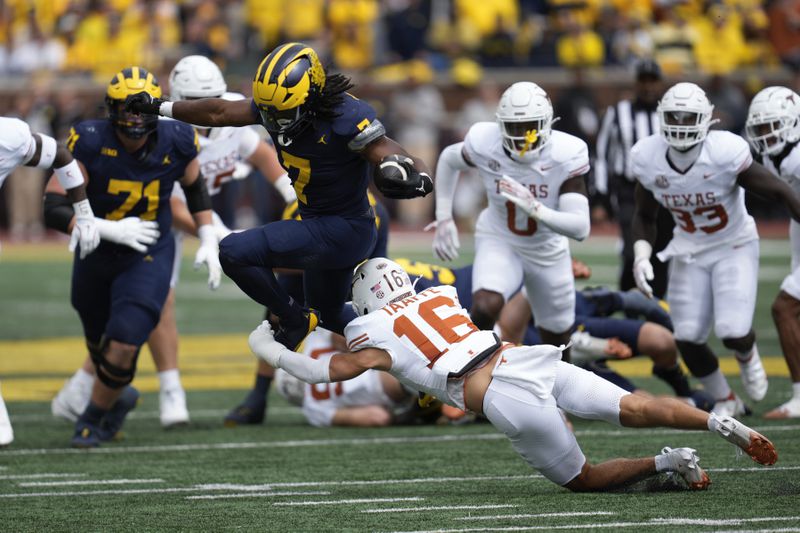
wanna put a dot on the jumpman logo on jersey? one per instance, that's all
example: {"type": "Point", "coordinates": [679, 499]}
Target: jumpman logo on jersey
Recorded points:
{"type": "Point", "coordinates": [166, 160]}
{"type": "Point", "coordinates": [322, 139]}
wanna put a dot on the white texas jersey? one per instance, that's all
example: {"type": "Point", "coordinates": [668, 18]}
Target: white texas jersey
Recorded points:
{"type": "Point", "coordinates": [562, 158]}
{"type": "Point", "coordinates": [428, 336]}
{"type": "Point", "coordinates": [223, 148]}
{"type": "Point", "coordinates": [17, 145]}
{"type": "Point", "coordinates": [706, 201]}
{"type": "Point", "coordinates": [787, 167]}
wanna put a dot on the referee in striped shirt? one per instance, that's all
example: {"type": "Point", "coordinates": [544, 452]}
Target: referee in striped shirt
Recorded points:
{"type": "Point", "coordinates": [623, 124]}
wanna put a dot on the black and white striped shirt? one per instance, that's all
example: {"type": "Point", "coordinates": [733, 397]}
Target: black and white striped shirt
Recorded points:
{"type": "Point", "coordinates": [623, 125]}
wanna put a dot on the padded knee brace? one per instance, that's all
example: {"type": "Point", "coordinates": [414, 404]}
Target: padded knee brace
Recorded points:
{"type": "Point", "coordinates": [109, 374]}
{"type": "Point", "coordinates": [741, 344]}
{"type": "Point", "coordinates": [699, 358]}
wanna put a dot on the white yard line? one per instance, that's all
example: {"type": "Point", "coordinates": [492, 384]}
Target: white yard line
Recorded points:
{"type": "Point", "coordinates": [37, 476]}
{"type": "Point", "coordinates": [375, 441]}
{"type": "Point", "coordinates": [146, 415]}
{"type": "Point", "coordinates": [255, 495]}
{"type": "Point", "coordinates": [89, 482]}
{"type": "Point", "coordinates": [537, 515]}
{"type": "Point", "coordinates": [356, 483]}
{"type": "Point", "coordinates": [655, 522]}
{"type": "Point", "coordinates": [439, 508]}
{"type": "Point", "coordinates": [357, 500]}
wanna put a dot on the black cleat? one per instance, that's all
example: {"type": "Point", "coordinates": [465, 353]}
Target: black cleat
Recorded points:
{"type": "Point", "coordinates": [293, 336]}
{"type": "Point", "coordinates": [249, 412]}
{"type": "Point", "coordinates": [112, 422]}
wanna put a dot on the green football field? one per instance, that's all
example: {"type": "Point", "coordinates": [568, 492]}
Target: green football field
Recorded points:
{"type": "Point", "coordinates": [286, 476]}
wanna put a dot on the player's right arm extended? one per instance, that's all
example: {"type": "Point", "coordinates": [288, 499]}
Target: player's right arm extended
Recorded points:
{"type": "Point", "coordinates": [210, 112]}
{"type": "Point", "coordinates": [340, 367]}
{"type": "Point", "coordinates": [451, 162]}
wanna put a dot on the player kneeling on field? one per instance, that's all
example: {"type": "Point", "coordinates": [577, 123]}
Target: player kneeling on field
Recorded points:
{"type": "Point", "coordinates": [428, 342]}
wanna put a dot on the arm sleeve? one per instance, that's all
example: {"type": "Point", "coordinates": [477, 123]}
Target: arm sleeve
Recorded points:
{"type": "Point", "coordinates": [572, 217]}
{"type": "Point", "coordinates": [305, 368]}
{"type": "Point", "coordinates": [450, 163]}
{"type": "Point", "coordinates": [248, 141]}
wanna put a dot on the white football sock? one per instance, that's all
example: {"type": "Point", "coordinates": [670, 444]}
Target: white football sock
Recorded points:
{"type": "Point", "coordinates": [82, 379]}
{"type": "Point", "coordinates": [169, 379]}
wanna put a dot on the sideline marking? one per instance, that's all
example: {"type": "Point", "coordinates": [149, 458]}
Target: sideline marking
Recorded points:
{"type": "Point", "coordinates": [654, 522]}
{"type": "Point", "coordinates": [439, 508]}
{"type": "Point", "coordinates": [255, 495]}
{"type": "Point", "coordinates": [36, 476]}
{"type": "Point", "coordinates": [88, 482]}
{"type": "Point", "coordinates": [537, 515]}
{"type": "Point", "coordinates": [357, 500]}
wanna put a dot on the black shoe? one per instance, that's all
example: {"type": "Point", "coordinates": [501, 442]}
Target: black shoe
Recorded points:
{"type": "Point", "coordinates": [112, 422]}
{"type": "Point", "coordinates": [250, 412]}
{"type": "Point", "coordinates": [87, 435]}
{"type": "Point", "coordinates": [293, 336]}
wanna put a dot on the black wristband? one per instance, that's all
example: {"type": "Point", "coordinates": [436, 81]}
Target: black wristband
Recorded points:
{"type": "Point", "coordinates": [58, 212]}
{"type": "Point", "coordinates": [197, 198]}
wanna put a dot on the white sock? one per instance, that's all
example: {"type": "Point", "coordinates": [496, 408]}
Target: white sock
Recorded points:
{"type": "Point", "coordinates": [796, 390]}
{"type": "Point", "coordinates": [745, 357]}
{"type": "Point", "coordinates": [716, 385]}
{"type": "Point", "coordinates": [169, 379]}
{"type": "Point", "coordinates": [713, 423]}
{"type": "Point", "coordinates": [82, 379]}
{"type": "Point", "coordinates": [663, 464]}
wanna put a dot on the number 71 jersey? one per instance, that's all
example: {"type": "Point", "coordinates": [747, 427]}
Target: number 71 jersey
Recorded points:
{"type": "Point", "coordinates": [429, 337]}
{"type": "Point", "coordinates": [706, 200]}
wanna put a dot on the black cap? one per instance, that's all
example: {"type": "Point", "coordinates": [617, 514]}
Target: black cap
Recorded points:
{"type": "Point", "coordinates": [648, 68]}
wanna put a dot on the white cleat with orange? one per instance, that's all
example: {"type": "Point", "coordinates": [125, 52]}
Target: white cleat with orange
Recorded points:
{"type": "Point", "coordinates": [757, 446]}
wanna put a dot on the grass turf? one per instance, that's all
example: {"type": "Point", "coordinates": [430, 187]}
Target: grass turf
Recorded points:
{"type": "Point", "coordinates": [206, 477]}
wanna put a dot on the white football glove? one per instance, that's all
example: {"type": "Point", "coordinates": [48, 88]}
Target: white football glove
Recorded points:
{"type": "Point", "coordinates": [642, 268]}
{"type": "Point", "coordinates": [445, 241]}
{"type": "Point", "coordinates": [85, 231]}
{"type": "Point", "coordinates": [208, 253]}
{"type": "Point", "coordinates": [132, 232]}
{"type": "Point", "coordinates": [263, 344]}
{"type": "Point", "coordinates": [520, 195]}
{"type": "Point", "coordinates": [220, 228]}
{"type": "Point", "coordinates": [284, 186]}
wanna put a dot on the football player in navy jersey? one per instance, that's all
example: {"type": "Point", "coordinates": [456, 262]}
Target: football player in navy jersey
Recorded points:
{"type": "Point", "coordinates": [254, 407]}
{"type": "Point", "coordinates": [326, 139]}
{"type": "Point", "coordinates": [131, 163]}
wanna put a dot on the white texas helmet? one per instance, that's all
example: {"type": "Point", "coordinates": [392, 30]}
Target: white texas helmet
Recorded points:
{"type": "Point", "coordinates": [684, 114]}
{"type": "Point", "coordinates": [525, 116]}
{"type": "Point", "coordinates": [292, 389]}
{"type": "Point", "coordinates": [196, 77]}
{"type": "Point", "coordinates": [379, 282]}
{"type": "Point", "coordinates": [773, 120]}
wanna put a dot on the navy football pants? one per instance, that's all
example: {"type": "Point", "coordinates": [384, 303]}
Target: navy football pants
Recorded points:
{"type": "Point", "coordinates": [120, 294]}
{"type": "Point", "coordinates": [326, 248]}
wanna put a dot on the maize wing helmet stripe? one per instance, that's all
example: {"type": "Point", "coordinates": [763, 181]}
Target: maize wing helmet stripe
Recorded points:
{"type": "Point", "coordinates": [283, 80]}
{"type": "Point", "coordinates": [133, 80]}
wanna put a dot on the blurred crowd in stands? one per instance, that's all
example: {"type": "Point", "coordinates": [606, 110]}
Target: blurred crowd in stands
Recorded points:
{"type": "Point", "coordinates": [429, 66]}
{"type": "Point", "coordinates": [94, 36]}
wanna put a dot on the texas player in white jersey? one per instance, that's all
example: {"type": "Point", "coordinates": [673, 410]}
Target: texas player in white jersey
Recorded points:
{"type": "Point", "coordinates": [533, 177]}
{"type": "Point", "coordinates": [368, 400]}
{"type": "Point", "coordinates": [20, 147]}
{"type": "Point", "coordinates": [699, 175]}
{"type": "Point", "coordinates": [428, 342]}
{"type": "Point", "coordinates": [773, 129]}
{"type": "Point", "coordinates": [224, 153]}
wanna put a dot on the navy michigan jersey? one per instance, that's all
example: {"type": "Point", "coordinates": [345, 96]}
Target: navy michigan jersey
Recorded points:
{"type": "Point", "coordinates": [125, 185]}
{"type": "Point", "coordinates": [328, 177]}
